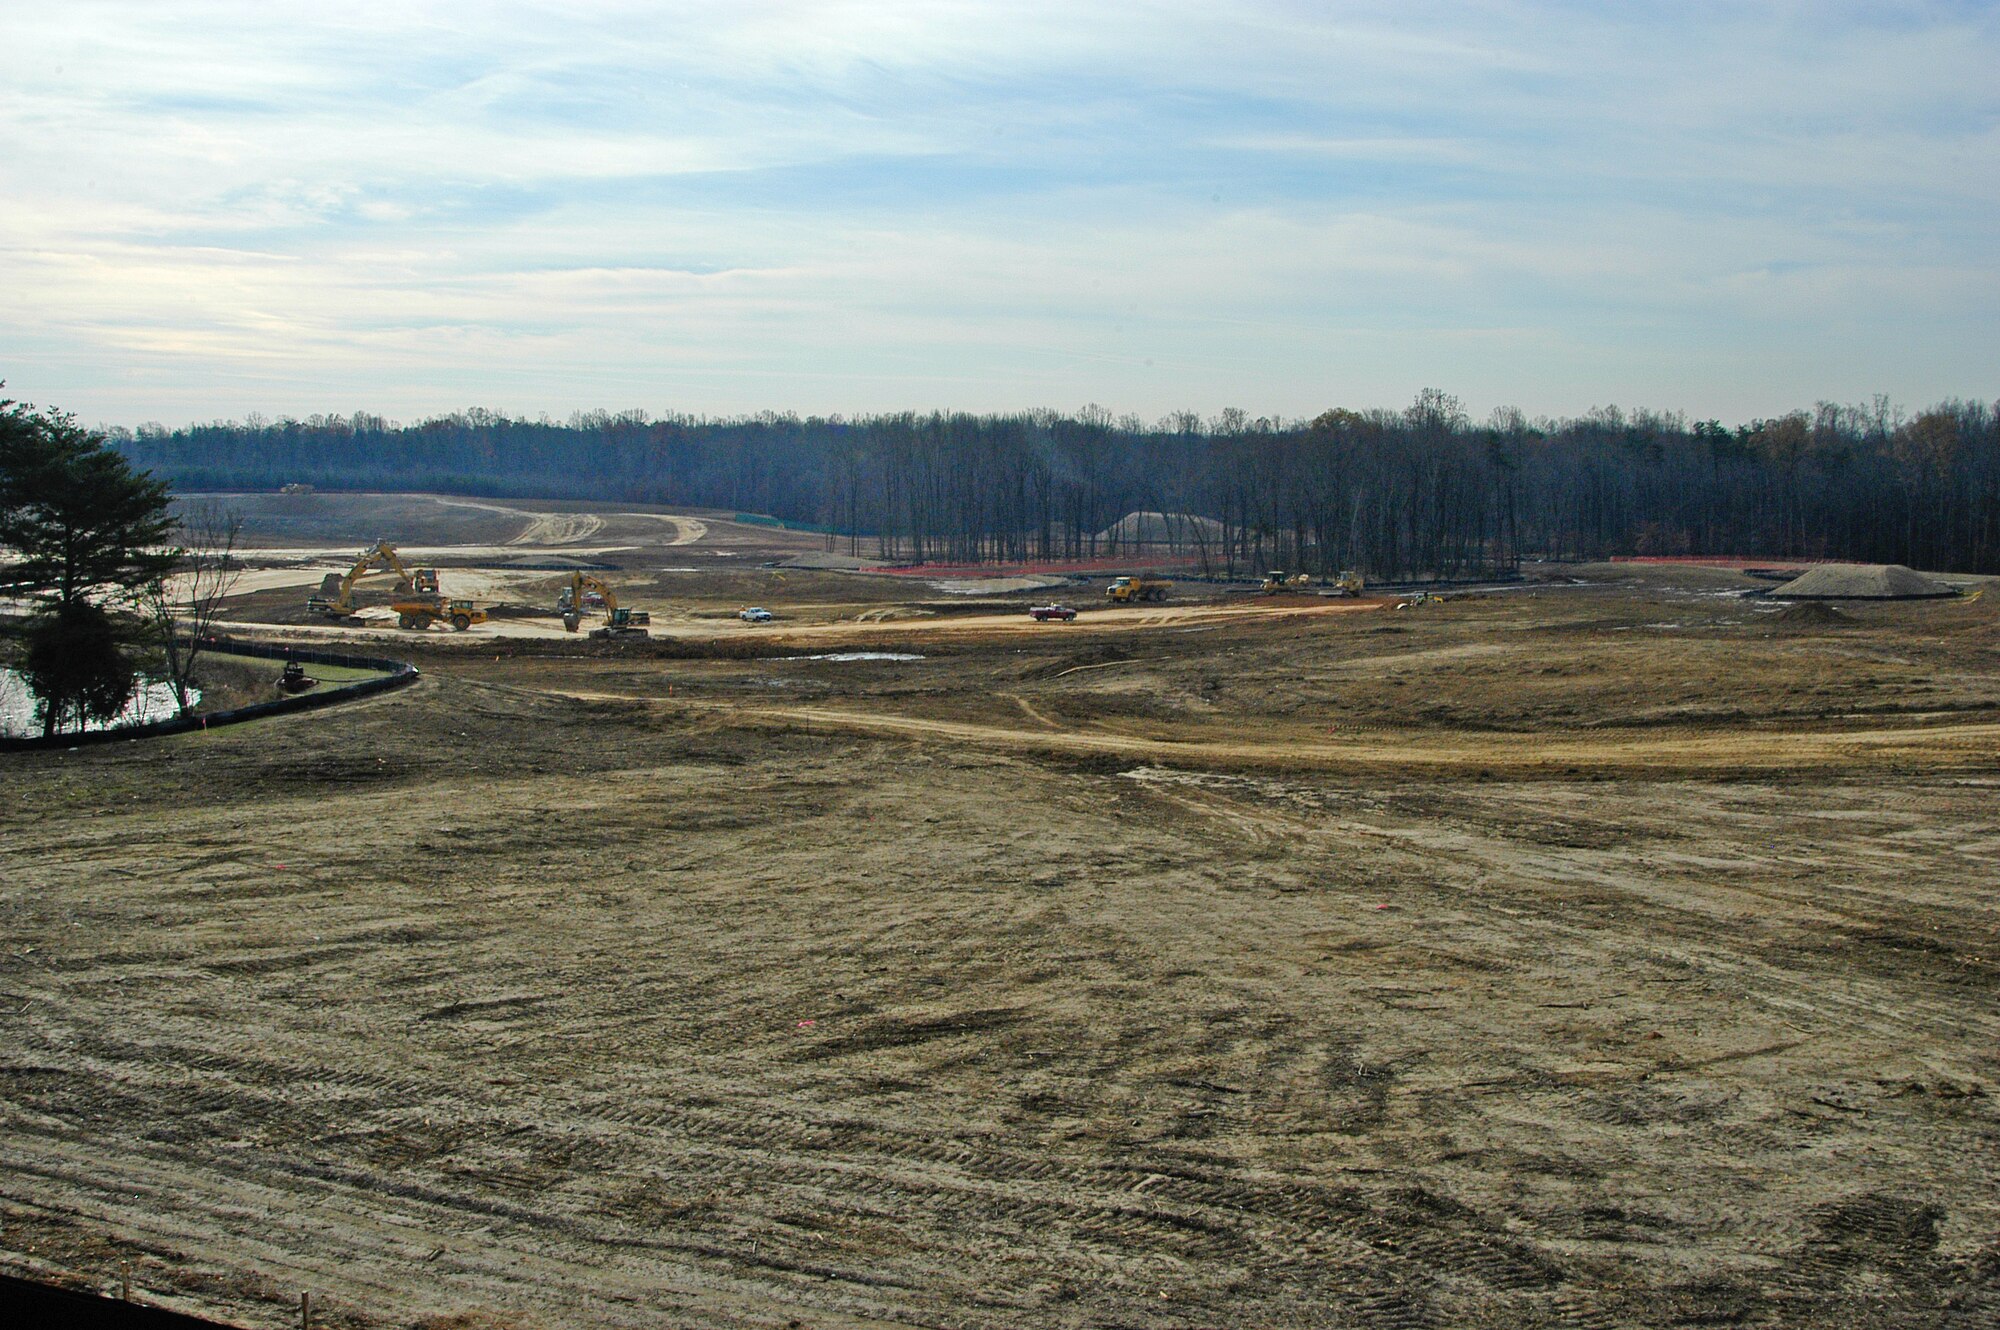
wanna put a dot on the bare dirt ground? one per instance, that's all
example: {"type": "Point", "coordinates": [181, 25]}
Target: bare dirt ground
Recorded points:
{"type": "Point", "coordinates": [1611, 951]}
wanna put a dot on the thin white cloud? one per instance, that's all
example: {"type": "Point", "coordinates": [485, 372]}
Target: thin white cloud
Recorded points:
{"type": "Point", "coordinates": [219, 207]}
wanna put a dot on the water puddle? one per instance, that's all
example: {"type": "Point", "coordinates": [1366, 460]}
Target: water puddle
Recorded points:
{"type": "Point", "coordinates": [853, 655]}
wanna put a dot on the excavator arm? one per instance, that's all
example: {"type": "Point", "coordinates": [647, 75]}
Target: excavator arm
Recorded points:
{"type": "Point", "coordinates": [580, 583]}
{"type": "Point", "coordinates": [382, 558]}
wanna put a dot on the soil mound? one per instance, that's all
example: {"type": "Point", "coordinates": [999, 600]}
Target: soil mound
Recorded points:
{"type": "Point", "coordinates": [1161, 529]}
{"type": "Point", "coordinates": [1810, 612]}
{"type": "Point", "coordinates": [837, 563]}
{"type": "Point", "coordinates": [1861, 581]}
{"type": "Point", "coordinates": [996, 586]}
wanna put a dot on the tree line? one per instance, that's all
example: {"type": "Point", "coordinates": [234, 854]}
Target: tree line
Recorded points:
{"type": "Point", "coordinates": [1419, 492]}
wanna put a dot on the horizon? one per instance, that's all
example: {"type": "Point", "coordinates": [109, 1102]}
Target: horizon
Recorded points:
{"type": "Point", "coordinates": [1895, 414]}
{"type": "Point", "coordinates": [221, 209]}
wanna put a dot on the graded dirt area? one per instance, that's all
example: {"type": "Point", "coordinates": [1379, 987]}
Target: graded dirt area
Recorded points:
{"type": "Point", "coordinates": [1605, 951]}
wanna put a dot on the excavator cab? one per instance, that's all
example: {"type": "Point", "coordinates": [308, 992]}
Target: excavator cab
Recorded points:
{"type": "Point", "coordinates": [622, 622]}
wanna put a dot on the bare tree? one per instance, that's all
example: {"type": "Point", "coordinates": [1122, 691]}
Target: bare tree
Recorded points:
{"type": "Point", "coordinates": [182, 606]}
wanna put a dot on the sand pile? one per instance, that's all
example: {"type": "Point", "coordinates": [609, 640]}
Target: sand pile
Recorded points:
{"type": "Point", "coordinates": [841, 563]}
{"type": "Point", "coordinates": [1162, 529]}
{"type": "Point", "coordinates": [1860, 581]}
{"type": "Point", "coordinates": [996, 586]}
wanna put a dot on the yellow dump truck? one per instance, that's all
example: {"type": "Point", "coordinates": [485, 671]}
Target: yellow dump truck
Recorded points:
{"type": "Point", "coordinates": [1126, 590]}
{"type": "Point", "coordinates": [420, 612]}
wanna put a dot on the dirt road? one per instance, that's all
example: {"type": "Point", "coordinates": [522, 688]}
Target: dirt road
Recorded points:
{"type": "Point", "coordinates": [802, 629]}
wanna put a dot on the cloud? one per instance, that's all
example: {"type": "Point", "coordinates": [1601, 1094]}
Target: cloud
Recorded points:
{"type": "Point", "coordinates": [826, 206]}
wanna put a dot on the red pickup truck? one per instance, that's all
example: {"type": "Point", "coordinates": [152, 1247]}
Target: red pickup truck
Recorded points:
{"type": "Point", "coordinates": [1043, 613]}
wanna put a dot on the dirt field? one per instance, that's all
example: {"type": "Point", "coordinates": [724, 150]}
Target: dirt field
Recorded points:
{"type": "Point", "coordinates": [1614, 950]}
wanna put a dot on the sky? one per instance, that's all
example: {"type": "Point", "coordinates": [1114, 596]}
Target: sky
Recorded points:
{"type": "Point", "coordinates": [213, 209]}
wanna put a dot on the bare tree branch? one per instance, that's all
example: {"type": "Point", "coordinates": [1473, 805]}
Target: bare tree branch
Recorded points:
{"type": "Point", "coordinates": [183, 606]}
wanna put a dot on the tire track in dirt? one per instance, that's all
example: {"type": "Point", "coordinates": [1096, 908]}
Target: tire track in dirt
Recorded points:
{"type": "Point", "coordinates": [953, 1186]}
{"type": "Point", "coordinates": [539, 528]}
{"type": "Point", "coordinates": [1958, 745]}
{"type": "Point", "coordinates": [981, 1044]}
{"type": "Point", "coordinates": [687, 530]}
{"type": "Point", "coordinates": [1029, 710]}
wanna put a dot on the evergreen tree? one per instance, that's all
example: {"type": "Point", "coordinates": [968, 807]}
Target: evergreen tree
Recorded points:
{"type": "Point", "coordinates": [80, 523]}
{"type": "Point", "coordinates": [76, 666]}
{"type": "Point", "coordinates": [81, 531]}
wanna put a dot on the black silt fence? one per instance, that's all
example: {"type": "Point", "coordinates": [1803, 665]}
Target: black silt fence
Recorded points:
{"type": "Point", "coordinates": [397, 674]}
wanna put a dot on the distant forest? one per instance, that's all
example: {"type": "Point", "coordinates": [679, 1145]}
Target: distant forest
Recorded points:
{"type": "Point", "coordinates": [1418, 492]}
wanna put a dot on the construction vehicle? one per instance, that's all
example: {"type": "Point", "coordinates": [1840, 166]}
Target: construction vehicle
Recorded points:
{"type": "Point", "coordinates": [1279, 580]}
{"type": "Point", "coordinates": [420, 613]}
{"type": "Point", "coordinates": [1349, 583]}
{"type": "Point", "coordinates": [619, 622]}
{"type": "Point", "coordinates": [1127, 590]}
{"type": "Point", "coordinates": [418, 603]}
{"type": "Point", "coordinates": [336, 592]}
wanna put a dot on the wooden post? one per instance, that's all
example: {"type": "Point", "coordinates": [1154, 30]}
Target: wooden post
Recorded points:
{"type": "Point", "coordinates": [125, 1283]}
{"type": "Point", "coordinates": [305, 1311]}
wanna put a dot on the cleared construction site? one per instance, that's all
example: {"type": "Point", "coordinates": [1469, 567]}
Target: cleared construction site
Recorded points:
{"type": "Point", "coordinates": [1616, 945]}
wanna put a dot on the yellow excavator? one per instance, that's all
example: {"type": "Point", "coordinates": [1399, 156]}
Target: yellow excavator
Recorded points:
{"type": "Point", "coordinates": [335, 598]}
{"type": "Point", "coordinates": [418, 602]}
{"type": "Point", "coordinates": [619, 622]}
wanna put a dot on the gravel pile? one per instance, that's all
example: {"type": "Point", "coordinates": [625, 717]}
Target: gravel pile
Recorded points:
{"type": "Point", "coordinates": [1161, 529]}
{"type": "Point", "coordinates": [1861, 581]}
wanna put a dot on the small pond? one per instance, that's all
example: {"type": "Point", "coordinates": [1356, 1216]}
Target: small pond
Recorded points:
{"type": "Point", "coordinates": [153, 700]}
